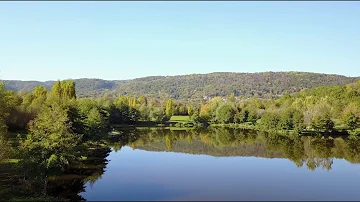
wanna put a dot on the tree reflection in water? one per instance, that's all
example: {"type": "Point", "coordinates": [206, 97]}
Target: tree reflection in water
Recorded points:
{"type": "Point", "coordinates": [312, 151]}
{"type": "Point", "coordinates": [53, 184]}
{"type": "Point", "coordinates": [21, 181]}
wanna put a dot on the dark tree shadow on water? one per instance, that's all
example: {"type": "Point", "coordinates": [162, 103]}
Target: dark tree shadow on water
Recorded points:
{"type": "Point", "coordinates": [56, 185]}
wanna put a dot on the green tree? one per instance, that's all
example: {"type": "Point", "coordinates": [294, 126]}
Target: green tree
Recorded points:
{"type": "Point", "coordinates": [95, 123]}
{"type": "Point", "coordinates": [182, 110]}
{"type": "Point", "coordinates": [144, 112]}
{"type": "Point", "coordinates": [50, 144]}
{"type": "Point", "coordinates": [56, 92]}
{"type": "Point", "coordinates": [169, 108]}
{"type": "Point", "coordinates": [39, 97]}
{"type": "Point", "coordinates": [241, 116]}
{"type": "Point", "coordinates": [322, 122]}
{"type": "Point", "coordinates": [196, 118]}
{"type": "Point", "coordinates": [225, 114]}
{"type": "Point", "coordinates": [134, 114]}
{"type": "Point", "coordinates": [62, 91]}
{"type": "Point", "coordinates": [5, 148]}
{"type": "Point", "coordinates": [270, 121]}
{"type": "Point", "coordinates": [176, 110]}
{"type": "Point", "coordinates": [252, 115]}
{"type": "Point", "coordinates": [142, 100]}
{"type": "Point", "coordinates": [212, 107]}
{"type": "Point", "coordinates": [230, 98]}
{"type": "Point", "coordinates": [158, 115]}
{"type": "Point", "coordinates": [8, 100]}
{"type": "Point", "coordinates": [286, 120]}
{"type": "Point", "coordinates": [39, 91]}
{"type": "Point", "coordinates": [351, 116]}
{"type": "Point", "coordinates": [4, 112]}
{"type": "Point", "coordinates": [298, 120]}
{"type": "Point", "coordinates": [72, 90]}
{"type": "Point", "coordinates": [205, 112]}
{"type": "Point", "coordinates": [68, 89]}
{"type": "Point", "coordinates": [190, 110]}
{"type": "Point", "coordinates": [351, 120]}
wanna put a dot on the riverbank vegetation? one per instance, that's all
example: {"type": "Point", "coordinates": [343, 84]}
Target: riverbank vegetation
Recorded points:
{"type": "Point", "coordinates": [322, 109]}
{"type": "Point", "coordinates": [46, 134]}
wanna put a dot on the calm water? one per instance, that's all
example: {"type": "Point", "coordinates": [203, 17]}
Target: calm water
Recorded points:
{"type": "Point", "coordinates": [228, 165]}
{"type": "Point", "coordinates": [216, 164]}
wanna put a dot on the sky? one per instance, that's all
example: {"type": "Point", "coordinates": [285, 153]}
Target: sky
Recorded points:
{"type": "Point", "coordinates": [126, 40]}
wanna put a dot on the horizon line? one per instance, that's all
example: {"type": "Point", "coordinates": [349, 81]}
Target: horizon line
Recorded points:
{"type": "Point", "coordinates": [256, 72]}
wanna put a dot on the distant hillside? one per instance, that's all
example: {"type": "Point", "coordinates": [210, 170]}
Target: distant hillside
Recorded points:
{"type": "Point", "coordinates": [195, 86]}
{"type": "Point", "coordinates": [84, 87]}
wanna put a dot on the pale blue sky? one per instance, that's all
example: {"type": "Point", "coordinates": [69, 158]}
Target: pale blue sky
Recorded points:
{"type": "Point", "coordinates": [124, 40]}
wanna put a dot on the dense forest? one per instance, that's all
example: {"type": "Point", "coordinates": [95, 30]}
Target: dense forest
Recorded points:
{"type": "Point", "coordinates": [196, 86]}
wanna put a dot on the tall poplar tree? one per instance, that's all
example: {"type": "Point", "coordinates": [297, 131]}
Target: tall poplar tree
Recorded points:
{"type": "Point", "coordinates": [169, 108]}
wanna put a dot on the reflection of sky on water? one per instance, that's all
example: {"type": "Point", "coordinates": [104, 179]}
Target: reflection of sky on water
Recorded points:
{"type": "Point", "coordinates": [142, 175]}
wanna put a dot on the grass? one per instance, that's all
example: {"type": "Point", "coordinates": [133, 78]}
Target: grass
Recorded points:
{"type": "Point", "coordinates": [10, 161]}
{"type": "Point", "coordinates": [181, 122]}
{"type": "Point", "coordinates": [180, 118]}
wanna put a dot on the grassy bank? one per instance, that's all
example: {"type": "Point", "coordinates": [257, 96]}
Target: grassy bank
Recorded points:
{"type": "Point", "coordinates": [249, 126]}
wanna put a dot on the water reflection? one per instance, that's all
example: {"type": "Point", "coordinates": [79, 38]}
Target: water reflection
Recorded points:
{"type": "Point", "coordinates": [154, 164]}
{"type": "Point", "coordinates": [310, 151]}
{"type": "Point", "coordinates": [19, 181]}
{"type": "Point", "coordinates": [146, 175]}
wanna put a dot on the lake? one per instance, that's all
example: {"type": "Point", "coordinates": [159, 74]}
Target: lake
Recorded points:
{"type": "Point", "coordinates": [228, 165]}
{"type": "Point", "coordinates": [211, 164]}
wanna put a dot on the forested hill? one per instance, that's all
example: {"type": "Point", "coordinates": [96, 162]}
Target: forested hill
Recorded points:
{"type": "Point", "coordinates": [84, 87]}
{"type": "Point", "coordinates": [265, 84]}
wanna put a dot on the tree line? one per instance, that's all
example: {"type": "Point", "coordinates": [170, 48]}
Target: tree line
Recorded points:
{"type": "Point", "coordinates": [322, 109]}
